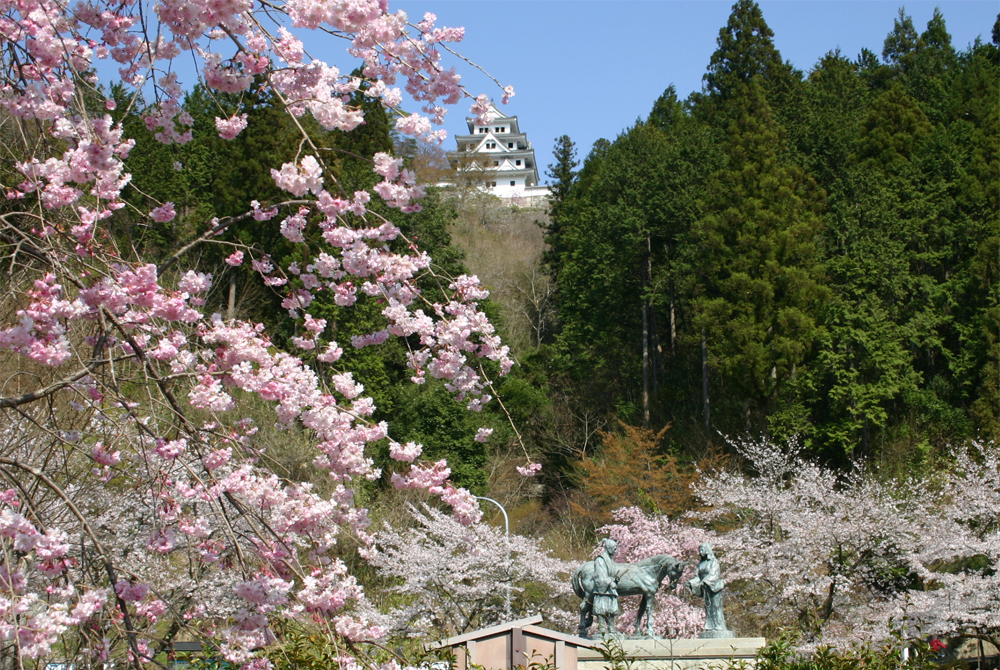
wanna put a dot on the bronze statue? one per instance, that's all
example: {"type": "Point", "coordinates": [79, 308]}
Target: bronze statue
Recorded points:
{"type": "Point", "coordinates": [708, 584]}
{"type": "Point", "coordinates": [601, 581]}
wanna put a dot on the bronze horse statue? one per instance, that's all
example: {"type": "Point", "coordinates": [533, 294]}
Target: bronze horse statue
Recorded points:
{"type": "Point", "coordinates": [633, 579]}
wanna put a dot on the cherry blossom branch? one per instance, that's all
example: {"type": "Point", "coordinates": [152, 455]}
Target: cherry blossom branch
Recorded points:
{"type": "Point", "coordinates": [216, 230]}
{"type": "Point", "coordinates": [31, 396]}
{"type": "Point", "coordinates": [108, 566]}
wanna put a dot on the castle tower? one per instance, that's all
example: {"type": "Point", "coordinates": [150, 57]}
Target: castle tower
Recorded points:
{"type": "Point", "coordinates": [502, 154]}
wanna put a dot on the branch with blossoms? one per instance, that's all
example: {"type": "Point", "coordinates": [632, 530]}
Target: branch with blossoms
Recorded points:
{"type": "Point", "coordinates": [138, 503]}
{"type": "Point", "coordinates": [849, 557]}
{"type": "Point", "coordinates": [453, 578]}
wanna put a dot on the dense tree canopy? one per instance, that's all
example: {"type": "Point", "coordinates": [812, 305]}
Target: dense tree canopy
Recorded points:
{"type": "Point", "coordinates": [796, 254]}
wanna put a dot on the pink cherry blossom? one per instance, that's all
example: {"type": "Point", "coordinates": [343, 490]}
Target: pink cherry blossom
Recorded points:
{"type": "Point", "coordinates": [183, 514]}
{"type": "Point", "coordinates": [103, 456]}
{"type": "Point", "coordinates": [195, 282]}
{"type": "Point", "coordinates": [231, 127]}
{"type": "Point", "coordinates": [300, 179]}
{"type": "Point", "coordinates": [405, 452]}
{"type": "Point", "coordinates": [217, 458]}
{"type": "Point", "coordinates": [163, 213]}
{"type": "Point", "coordinates": [529, 470]}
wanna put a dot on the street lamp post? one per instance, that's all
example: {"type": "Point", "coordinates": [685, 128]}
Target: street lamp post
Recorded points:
{"type": "Point", "coordinates": [506, 528]}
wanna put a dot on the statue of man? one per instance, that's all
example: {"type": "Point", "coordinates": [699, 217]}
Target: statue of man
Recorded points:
{"type": "Point", "coordinates": [606, 587]}
{"type": "Point", "coordinates": [708, 584]}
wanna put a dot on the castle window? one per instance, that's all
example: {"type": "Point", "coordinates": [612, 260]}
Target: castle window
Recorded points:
{"type": "Point", "coordinates": [510, 145]}
{"type": "Point", "coordinates": [496, 163]}
{"type": "Point", "coordinates": [517, 162]}
{"type": "Point", "coordinates": [511, 182]}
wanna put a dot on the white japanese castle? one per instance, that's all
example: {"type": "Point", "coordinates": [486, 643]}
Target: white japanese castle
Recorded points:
{"type": "Point", "coordinates": [503, 154]}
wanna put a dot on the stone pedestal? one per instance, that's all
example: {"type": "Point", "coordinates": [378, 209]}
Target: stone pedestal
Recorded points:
{"type": "Point", "coordinates": [700, 654]}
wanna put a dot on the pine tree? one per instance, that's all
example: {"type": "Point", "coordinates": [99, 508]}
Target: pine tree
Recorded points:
{"type": "Point", "coordinates": [931, 70]}
{"type": "Point", "coordinates": [836, 99]}
{"type": "Point", "coordinates": [900, 45]}
{"type": "Point", "coordinates": [864, 365]}
{"type": "Point", "coordinates": [563, 172]}
{"type": "Point", "coordinates": [891, 131]}
{"type": "Point", "coordinates": [667, 110]}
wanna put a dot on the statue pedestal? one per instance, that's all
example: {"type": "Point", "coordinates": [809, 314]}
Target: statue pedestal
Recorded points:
{"type": "Point", "coordinates": [677, 654]}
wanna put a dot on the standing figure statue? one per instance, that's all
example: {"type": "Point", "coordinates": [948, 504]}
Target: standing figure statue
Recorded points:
{"type": "Point", "coordinates": [605, 596]}
{"type": "Point", "coordinates": [708, 584]}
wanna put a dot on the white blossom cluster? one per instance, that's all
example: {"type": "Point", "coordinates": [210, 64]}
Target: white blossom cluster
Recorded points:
{"type": "Point", "coordinates": [851, 557]}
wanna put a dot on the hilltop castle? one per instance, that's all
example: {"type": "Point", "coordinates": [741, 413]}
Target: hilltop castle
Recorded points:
{"type": "Point", "coordinates": [501, 158]}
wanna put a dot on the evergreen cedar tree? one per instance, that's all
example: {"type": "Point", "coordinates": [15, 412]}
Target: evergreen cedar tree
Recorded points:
{"type": "Point", "coordinates": [563, 174]}
{"type": "Point", "coordinates": [822, 251]}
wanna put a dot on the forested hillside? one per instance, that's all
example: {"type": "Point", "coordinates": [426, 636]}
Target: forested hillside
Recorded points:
{"type": "Point", "coordinates": [789, 253]}
{"type": "Point", "coordinates": [781, 254]}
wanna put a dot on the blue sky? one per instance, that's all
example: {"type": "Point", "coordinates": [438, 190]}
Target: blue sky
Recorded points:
{"type": "Point", "coordinates": [590, 68]}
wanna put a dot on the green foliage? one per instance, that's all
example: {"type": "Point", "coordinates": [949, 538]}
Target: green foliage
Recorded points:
{"type": "Point", "coordinates": [780, 654]}
{"type": "Point", "coordinates": [614, 654]}
{"type": "Point", "coordinates": [759, 276]}
{"type": "Point", "coordinates": [563, 172]}
{"type": "Point", "coordinates": [429, 415]}
{"type": "Point", "coordinates": [309, 648]}
{"type": "Point", "coordinates": [626, 246]}
{"type": "Point", "coordinates": [745, 52]}
{"type": "Point", "coordinates": [534, 663]}
{"type": "Point", "coordinates": [835, 239]}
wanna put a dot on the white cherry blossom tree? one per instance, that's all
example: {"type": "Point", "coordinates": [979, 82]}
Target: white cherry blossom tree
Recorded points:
{"type": "Point", "coordinates": [848, 557]}
{"type": "Point", "coordinates": [455, 578]}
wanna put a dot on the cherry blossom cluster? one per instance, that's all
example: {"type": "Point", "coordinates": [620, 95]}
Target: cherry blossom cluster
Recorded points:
{"type": "Point", "coordinates": [55, 42]}
{"type": "Point", "coordinates": [456, 578]}
{"type": "Point", "coordinates": [36, 620]}
{"type": "Point", "coordinates": [202, 491]}
{"type": "Point", "coordinates": [157, 500]}
{"type": "Point", "coordinates": [854, 557]}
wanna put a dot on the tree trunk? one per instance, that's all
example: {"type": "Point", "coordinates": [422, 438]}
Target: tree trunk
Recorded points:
{"type": "Point", "coordinates": [653, 331]}
{"type": "Point", "coordinates": [673, 321]}
{"type": "Point", "coordinates": [657, 361]}
{"type": "Point", "coordinates": [864, 434]}
{"type": "Point", "coordinates": [645, 364]}
{"type": "Point", "coordinates": [231, 308]}
{"type": "Point", "coordinates": [647, 272]}
{"type": "Point", "coordinates": [704, 386]}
